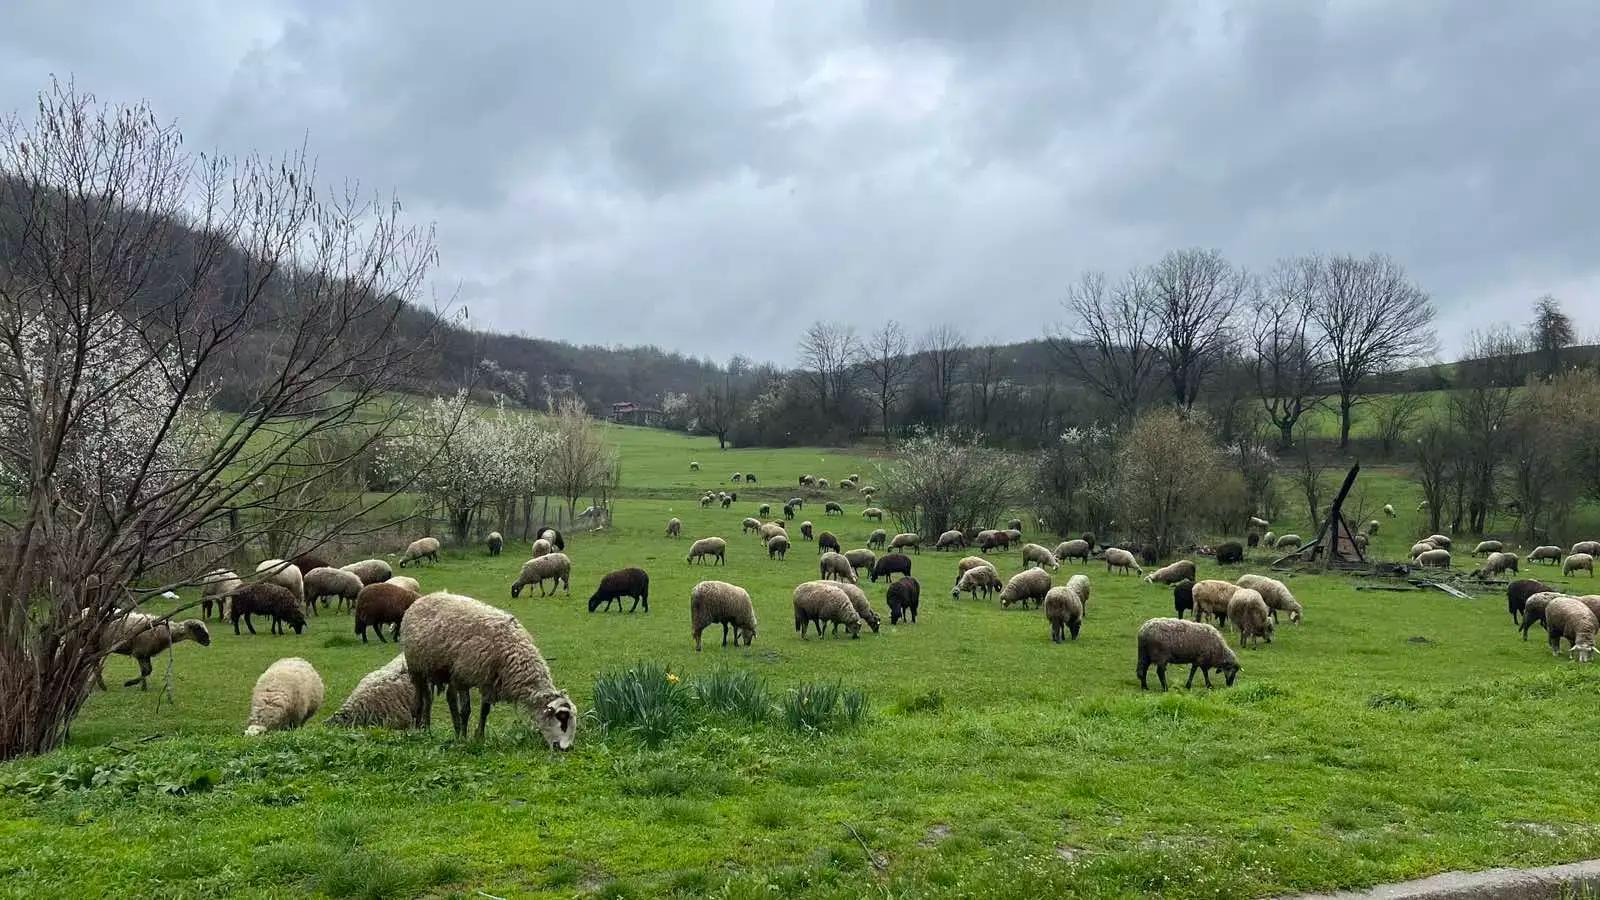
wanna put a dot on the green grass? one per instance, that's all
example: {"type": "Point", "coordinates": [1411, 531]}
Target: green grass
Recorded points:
{"type": "Point", "coordinates": [1390, 736]}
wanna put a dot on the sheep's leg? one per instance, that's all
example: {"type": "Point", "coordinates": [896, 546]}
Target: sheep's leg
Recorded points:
{"type": "Point", "coordinates": [1205, 672]}
{"type": "Point", "coordinates": [1161, 673]}
{"type": "Point", "coordinates": [483, 714]}
{"type": "Point", "coordinates": [395, 635]}
{"type": "Point", "coordinates": [724, 634]}
{"type": "Point", "coordinates": [378, 630]}
{"type": "Point", "coordinates": [144, 675]}
{"type": "Point", "coordinates": [362, 630]}
{"type": "Point", "coordinates": [421, 701]}
{"type": "Point", "coordinates": [697, 640]}
{"type": "Point", "coordinates": [247, 623]}
{"type": "Point", "coordinates": [1193, 668]}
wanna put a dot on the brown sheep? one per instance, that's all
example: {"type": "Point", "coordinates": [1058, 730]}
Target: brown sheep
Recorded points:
{"type": "Point", "coordinates": [382, 604]}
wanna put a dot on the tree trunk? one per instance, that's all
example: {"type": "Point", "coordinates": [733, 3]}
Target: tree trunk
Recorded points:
{"type": "Point", "coordinates": [1345, 404]}
{"type": "Point", "coordinates": [1285, 435]}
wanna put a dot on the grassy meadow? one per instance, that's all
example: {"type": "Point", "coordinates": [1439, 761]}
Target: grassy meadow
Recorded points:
{"type": "Point", "coordinates": [1391, 735]}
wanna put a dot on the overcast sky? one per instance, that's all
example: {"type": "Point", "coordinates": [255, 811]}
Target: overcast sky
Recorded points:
{"type": "Point", "coordinates": [712, 176]}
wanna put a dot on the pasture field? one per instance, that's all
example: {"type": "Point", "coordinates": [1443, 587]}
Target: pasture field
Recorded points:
{"type": "Point", "coordinates": [1389, 736]}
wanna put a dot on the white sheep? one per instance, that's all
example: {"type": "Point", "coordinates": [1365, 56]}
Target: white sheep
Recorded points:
{"type": "Point", "coordinates": [1287, 542]}
{"type": "Point", "coordinates": [694, 467]}
{"type": "Point", "coordinates": [1421, 547]}
{"type": "Point", "coordinates": [542, 547]}
{"type": "Point", "coordinates": [1118, 558]}
{"type": "Point", "coordinates": [711, 546]}
{"type": "Point", "coordinates": [420, 549]}
{"type": "Point", "coordinates": [1577, 562]}
{"type": "Point", "coordinates": [1388, 510]}
{"type": "Point", "coordinates": [1257, 522]}
{"type": "Point", "coordinates": [384, 698]}
{"type": "Point", "coordinates": [329, 582]}
{"type": "Point", "coordinates": [285, 575]}
{"type": "Point", "coordinates": [1485, 548]}
{"type": "Point", "coordinates": [286, 696]}
{"type": "Point", "coordinates": [1074, 549]}
{"type": "Point", "coordinates": [1029, 584]}
{"type": "Point", "coordinates": [216, 587]}
{"type": "Point", "coordinates": [674, 527]}
{"type": "Point", "coordinates": [906, 539]}
{"type": "Point", "coordinates": [1437, 558]}
{"type": "Point", "coordinates": [407, 582]}
{"type": "Point", "coordinates": [836, 566]}
{"type": "Point", "coordinates": [1546, 553]}
{"type": "Point", "coordinates": [554, 567]}
{"type": "Point", "coordinates": [1249, 613]}
{"type": "Point", "coordinates": [1277, 595]}
{"type": "Point", "coordinates": [1035, 555]}
{"type": "Point", "coordinates": [982, 578]}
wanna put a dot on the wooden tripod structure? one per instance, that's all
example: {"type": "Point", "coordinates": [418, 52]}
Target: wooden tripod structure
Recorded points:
{"type": "Point", "coordinates": [1335, 540]}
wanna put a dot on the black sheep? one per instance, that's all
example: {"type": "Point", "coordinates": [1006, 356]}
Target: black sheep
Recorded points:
{"type": "Point", "coordinates": [891, 564]}
{"type": "Point", "coordinates": [264, 599]}
{"type": "Point", "coordinates": [902, 598]}
{"type": "Point", "coordinates": [1183, 597]}
{"type": "Point", "coordinates": [1517, 594]}
{"type": "Point", "coordinates": [727, 501]}
{"type": "Point", "coordinates": [788, 511]}
{"type": "Point", "coordinates": [630, 582]}
{"type": "Point", "coordinates": [826, 541]}
{"type": "Point", "coordinates": [1252, 540]}
{"type": "Point", "coordinates": [749, 479]}
{"type": "Point", "coordinates": [496, 542]}
{"type": "Point", "coordinates": [1088, 538]}
{"type": "Point", "coordinates": [1230, 553]}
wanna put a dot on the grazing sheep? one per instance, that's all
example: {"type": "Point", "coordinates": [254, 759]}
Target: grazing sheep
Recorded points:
{"type": "Point", "coordinates": [1546, 553]}
{"type": "Point", "coordinates": [1578, 562]}
{"type": "Point", "coordinates": [721, 603]}
{"type": "Point", "coordinates": [630, 582]}
{"type": "Point", "coordinates": [872, 512]}
{"type": "Point", "coordinates": [1497, 563]}
{"type": "Point", "coordinates": [805, 480]}
{"type": "Point", "coordinates": [822, 484]}
{"type": "Point", "coordinates": [1029, 584]}
{"type": "Point", "coordinates": [1421, 547]}
{"type": "Point", "coordinates": [778, 546]}
{"type": "Point", "coordinates": [285, 575]}
{"type": "Point", "coordinates": [764, 509]}
{"type": "Point", "coordinates": [990, 539]}
{"type": "Point", "coordinates": [380, 605]}
{"type": "Point", "coordinates": [496, 542]}
{"type": "Point", "coordinates": [1033, 554]}
{"type": "Point", "coordinates": [1252, 540]}
{"type": "Point", "coordinates": [1568, 617]}
{"type": "Point", "coordinates": [950, 540]}
{"type": "Point", "coordinates": [831, 507]}
{"type": "Point", "coordinates": [889, 565]}
{"type": "Point", "coordinates": [863, 606]}
{"type": "Point", "coordinates": [736, 478]}
{"type": "Point", "coordinates": [878, 539]}
{"type": "Point", "coordinates": [421, 549]}
{"type": "Point", "coordinates": [1288, 542]}
{"type": "Point", "coordinates": [982, 578]}
{"type": "Point", "coordinates": [796, 502]}
{"type": "Point", "coordinates": [1388, 510]}
{"type": "Point", "coordinates": [805, 531]}
{"type": "Point", "coordinates": [821, 603]}
{"type": "Point", "coordinates": [1277, 595]}
{"type": "Point", "coordinates": [906, 539]}
{"type": "Point", "coordinates": [772, 530]}
{"type": "Point", "coordinates": [1015, 534]}
{"type": "Point", "coordinates": [1183, 598]}
{"type": "Point", "coordinates": [1118, 558]}
{"type": "Point", "coordinates": [862, 559]}
{"type": "Point", "coordinates": [286, 696]}
{"type": "Point", "coordinates": [903, 597]}
{"type": "Point", "coordinates": [1441, 541]}
{"type": "Point", "coordinates": [459, 644]}
{"type": "Point", "coordinates": [553, 567]}
{"type": "Point", "coordinates": [542, 547]}
{"type": "Point", "coordinates": [410, 584]}
{"type": "Point", "coordinates": [266, 599]}
{"type": "Point", "coordinates": [1014, 525]}
{"type": "Point", "coordinates": [1372, 527]}
{"type": "Point", "coordinates": [694, 467]}
{"type": "Point", "coordinates": [383, 698]}
{"type": "Point", "coordinates": [1485, 548]}
{"type": "Point", "coordinates": [706, 499]}
{"type": "Point", "coordinates": [1074, 549]}
{"type": "Point", "coordinates": [554, 537]}
{"type": "Point", "coordinates": [674, 527]}
{"type": "Point", "coordinates": [215, 588]}
{"type": "Point", "coordinates": [1063, 607]}
{"type": "Point", "coordinates": [788, 511]}
{"type": "Point", "coordinates": [1164, 641]}
{"type": "Point", "coordinates": [143, 637]}
{"type": "Point", "coordinates": [971, 562]}
{"type": "Point", "coordinates": [711, 546]}
{"type": "Point", "coordinates": [1361, 541]}
{"type": "Point", "coordinates": [1211, 598]}
{"type": "Point", "coordinates": [1534, 608]}
{"type": "Point", "coordinates": [1517, 594]}
{"type": "Point", "coordinates": [1173, 573]}
{"type": "Point", "coordinates": [1251, 616]}
{"type": "Point", "coordinates": [1439, 558]}
{"type": "Point", "coordinates": [867, 491]}
{"type": "Point", "coordinates": [826, 543]}
{"type": "Point", "coordinates": [1590, 547]}
{"type": "Point", "coordinates": [1269, 540]}
{"type": "Point", "coordinates": [326, 582]}
{"type": "Point", "coordinates": [750, 523]}
{"type": "Point", "coordinates": [750, 478]}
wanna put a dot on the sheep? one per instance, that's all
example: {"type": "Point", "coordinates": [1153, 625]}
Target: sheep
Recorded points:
{"type": "Point", "coordinates": [1211, 598]}
{"type": "Point", "coordinates": [382, 699]}
{"type": "Point", "coordinates": [889, 565]}
{"type": "Point", "coordinates": [853, 476]}
{"type": "Point", "coordinates": [1014, 534]}
{"type": "Point", "coordinates": [286, 696]}
{"type": "Point", "coordinates": [1229, 553]}
{"type": "Point", "coordinates": [630, 582]}
{"type": "Point", "coordinates": [1517, 594]}
{"type": "Point", "coordinates": [867, 491]}
{"type": "Point", "coordinates": [706, 499]}
{"type": "Point", "coordinates": [805, 531]}
{"type": "Point", "coordinates": [143, 637]}
{"type": "Point", "coordinates": [771, 530]}
{"type": "Point", "coordinates": [1118, 558]}
{"type": "Point", "coordinates": [1183, 598]}
{"type": "Point", "coordinates": [405, 581]}
{"type": "Point", "coordinates": [1361, 541]}
{"type": "Point", "coordinates": [788, 511]}
{"type": "Point", "coordinates": [326, 582]}
{"type": "Point", "coordinates": [1440, 541]}
{"type": "Point", "coordinates": [721, 603]}
{"type": "Point", "coordinates": [862, 559]}
{"type": "Point", "coordinates": [1567, 617]}
{"type": "Point", "coordinates": [1439, 558]}
{"type": "Point", "coordinates": [711, 546]}
{"type": "Point", "coordinates": [1388, 510]}
{"type": "Point", "coordinates": [1288, 542]}
{"type": "Point", "coordinates": [827, 543]}
{"type": "Point", "coordinates": [542, 547]}
{"type": "Point", "coordinates": [1074, 549]}
{"type": "Point", "coordinates": [1372, 527]}
{"type": "Point", "coordinates": [1029, 584]}
{"type": "Point", "coordinates": [380, 605]}
{"type": "Point", "coordinates": [1485, 548]}
{"type": "Point", "coordinates": [421, 549]}
{"type": "Point", "coordinates": [796, 502]}
{"type": "Point", "coordinates": [831, 507]}
{"type": "Point", "coordinates": [822, 602]}
{"type": "Point", "coordinates": [863, 606]}
{"type": "Point", "coordinates": [982, 578]}
{"type": "Point", "coordinates": [764, 510]}
{"type": "Point", "coordinates": [1014, 525]}
{"type": "Point", "coordinates": [750, 523]}
{"type": "Point", "coordinates": [1269, 540]}
{"type": "Point", "coordinates": [1164, 641]}
{"type": "Point", "coordinates": [778, 546]}
{"type": "Point", "coordinates": [1033, 554]}
{"type": "Point", "coordinates": [950, 540]}
{"type": "Point", "coordinates": [460, 644]}
{"type": "Point", "coordinates": [1578, 562]}
{"type": "Point", "coordinates": [285, 575]}
{"type": "Point", "coordinates": [903, 597]}
{"type": "Point", "coordinates": [749, 478]}
{"type": "Point", "coordinates": [836, 566]}
{"type": "Point", "coordinates": [806, 480]}
{"type": "Point", "coordinates": [906, 539]}
{"type": "Point", "coordinates": [553, 567]}
{"type": "Point", "coordinates": [694, 467]}
{"type": "Point", "coordinates": [496, 541]}
{"type": "Point", "coordinates": [215, 588]}
{"type": "Point", "coordinates": [822, 484]}
{"type": "Point", "coordinates": [1533, 610]}
{"type": "Point", "coordinates": [1251, 616]}
{"type": "Point", "coordinates": [872, 512]}
{"type": "Point", "coordinates": [370, 571]}
{"type": "Point", "coordinates": [736, 478]}
{"type": "Point", "coordinates": [1497, 563]}
{"type": "Point", "coordinates": [1590, 547]}
{"type": "Point", "coordinates": [1252, 540]}
{"type": "Point", "coordinates": [990, 539]}
{"type": "Point", "coordinates": [1277, 595]}
{"type": "Point", "coordinates": [674, 527]}
{"type": "Point", "coordinates": [266, 599]}
{"type": "Point", "coordinates": [971, 562]}
{"type": "Point", "coordinates": [1258, 522]}
{"type": "Point", "coordinates": [1421, 547]}
{"type": "Point", "coordinates": [554, 537]}
{"type": "Point", "coordinates": [878, 538]}
{"type": "Point", "coordinates": [1173, 573]}
{"type": "Point", "coordinates": [1063, 607]}
{"type": "Point", "coordinates": [1546, 553]}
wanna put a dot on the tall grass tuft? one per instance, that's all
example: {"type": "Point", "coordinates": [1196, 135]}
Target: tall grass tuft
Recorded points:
{"type": "Point", "coordinates": [818, 706]}
{"type": "Point", "coordinates": [645, 700]}
{"type": "Point", "coordinates": [736, 692]}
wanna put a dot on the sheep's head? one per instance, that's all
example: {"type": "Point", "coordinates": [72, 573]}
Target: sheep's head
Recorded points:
{"type": "Point", "coordinates": [295, 618]}
{"type": "Point", "coordinates": [1583, 652]}
{"type": "Point", "coordinates": [556, 717]}
{"type": "Point", "coordinates": [746, 632]}
{"type": "Point", "coordinates": [196, 631]}
{"type": "Point", "coordinates": [516, 589]}
{"type": "Point", "coordinates": [1271, 629]}
{"type": "Point", "coordinates": [594, 602]}
{"type": "Point", "coordinates": [1294, 613]}
{"type": "Point", "coordinates": [255, 730]}
{"type": "Point", "coordinates": [1229, 670]}
{"type": "Point", "coordinates": [854, 629]}
{"type": "Point", "coordinates": [874, 621]}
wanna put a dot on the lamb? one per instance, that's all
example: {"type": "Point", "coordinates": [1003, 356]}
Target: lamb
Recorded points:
{"type": "Point", "coordinates": [750, 523]}
{"type": "Point", "coordinates": [496, 543]}
{"type": "Point", "coordinates": [1183, 598]}
{"type": "Point", "coordinates": [1229, 553]}
{"type": "Point", "coordinates": [1421, 547]}
{"type": "Point", "coordinates": [285, 575]}
{"type": "Point", "coordinates": [380, 605]}
{"type": "Point", "coordinates": [1388, 510]}
{"type": "Point", "coordinates": [266, 599]}
{"type": "Point", "coordinates": [764, 509]}
{"type": "Point", "coordinates": [772, 530]}
{"type": "Point", "coordinates": [421, 549]}
{"type": "Point", "coordinates": [1578, 562]}
{"type": "Point", "coordinates": [215, 588]}
{"type": "Point", "coordinates": [1534, 609]}
{"type": "Point", "coordinates": [326, 582]}
{"type": "Point", "coordinates": [1269, 540]}
{"type": "Point", "coordinates": [553, 567]}
{"type": "Point", "coordinates": [370, 571]}
{"type": "Point", "coordinates": [863, 607]}
{"type": "Point", "coordinates": [1485, 548]}
{"type": "Point", "coordinates": [906, 539]}
{"type": "Point", "coordinates": [286, 696]}
{"type": "Point", "coordinates": [1074, 549]}
{"type": "Point", "coordinates": [1250, 615]}
{"type": "Point", "coordinates": [1546, 553]}
{"type": "Point", "coordinates": [889, 565]}
{"type": "Point", "coordinates": [1288, 542]}
{"type": "Point", "coordinates": [862, 559]}
{"type": "Point", "coordinates": [542, 547]}
{"type": "Point", "coordinates": [982, 578]}
{"type": "Point", "coordinates": [878, 538]}
{"type": "Point", "coordinates": [1181, 570]}
{"type": "Point", "coordinates": [1498, 562]}
{"type": "Point", "coordinates": [827, 543]}
{"type": "Point", "coordinates": [459, 644]}
{"type": "Point", "coordinates": [143, 637]}
{"type": "Point", "coordinates": [1118, 558]}
{"type": "Point", "coordinates": [1277, 595]}
{"type": "Point", "coordinates": [831, 507]}
{"type": "Point", "coordinates": [1033, 554]}
{"type": "Point", "coordinates": [383, 698]}
{"type": "Point", "coordinates": [1439, 558]}
{"type": "Point", "coordinates": [1063, 607]}
{"type": "Point", "coordinates": [1163, 641]}
{"type": "Point", "coordinates": [711, 546]}
{"type": "Point", "coordinates": [1567, 617]}
{"type": "Point", "coordinates": [721, 603]}
{"type": "Point", "coordinates": [1258, 522]}
{"type": "Point", "coordinates": [836, 566]}
{"type": "Point", "coordinates": [805, 531]}
{"type": "Point", "coordinates": [1439, 540]}
{"type": "Point", "coordinates": [778, 546]}
{"type": "Point", "coordinates": [674, 527]}
{"type": "Point", "coordinates": [903, 597]}
{"type": "Point", "coordinates": [1517, 594]}
{"type": "Point", "coordinates": [821, 602]}
{"type": "Point", "coordinates": [1029, 584]}
{"type": "Point", "coordinates": [872, 512]}
{"type": "Point", "coordinates": [950, 540]}
{"type": "Point", "coordinates": [1211, 598]}
{"type": "Point", "coordinates": [1590, 547]}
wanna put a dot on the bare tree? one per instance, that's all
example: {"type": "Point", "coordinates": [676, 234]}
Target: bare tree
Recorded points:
{"type": "Point", "coordinates": [888, 366]}
{"type": "Point", "coordinates": [1394, 417]}
{"type": "Point", "coordinates": [1373, 319]}
{"type": "Point", "coordinates": [1551, 334]}
{"type": "Point", "coordinates": [1109, 348]}
{"type": "Point", "coordinates": [716, 408]}
{"type": "Point", "coordinates": [983, 383]}
{"type": "Point", "coordinates": [943, 349]}
{"type": "Point", "coordinates": [1436, 449]}
{"type": "Point", "coordinates": [1289, 360]}
{"type": "Point", "coordinates": [581, 459]}
{"type": "Point", "coordinates": [1482, 411]}
{"type": "Point", "coordinates": [829, 352]}
{"type": "Point", "coordinates": [1310, 476]}
{"type": "Point", "coordinates": [133, 273]}
{"type": "Point", "coordinates": [1193, 294]}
